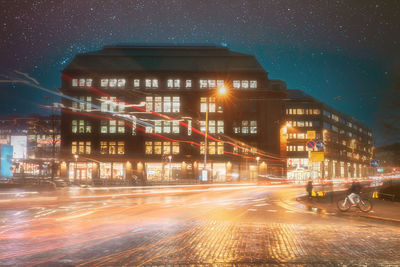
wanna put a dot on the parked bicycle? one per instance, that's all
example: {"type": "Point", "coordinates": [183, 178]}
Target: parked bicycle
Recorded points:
{"type": "Point", "coordinates": [362, 203]}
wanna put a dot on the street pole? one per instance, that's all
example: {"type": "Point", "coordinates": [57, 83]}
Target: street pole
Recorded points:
{"type": "Point", "coordinates": [76, 167]}
{"type": "Point", "coordinates": [53, 149]}
{"type": "Point", "coordinates": [205, 137]}
{"type": "Point", "coordinates": [170, 167]}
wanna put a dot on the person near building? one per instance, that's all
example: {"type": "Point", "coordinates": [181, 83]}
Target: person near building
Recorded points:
{"type": "Point", "coordinates": [354, 192]}
{"type": "Point", "coordinates": [309, 188]}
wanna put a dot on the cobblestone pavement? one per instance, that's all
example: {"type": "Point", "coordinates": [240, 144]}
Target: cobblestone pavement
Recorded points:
{"type": "Point", "coordinates": [219, 229]}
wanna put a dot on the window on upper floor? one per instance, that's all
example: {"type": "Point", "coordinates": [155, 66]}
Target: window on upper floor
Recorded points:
{"type": "Point", "coordinates": [211, 104]}
{"type": "Point", "coordinates": [158, 148]}
{"type": "Point", "coordinates": [112, 126]}
{"type": "Point", "coordinates": [151, 83]}
{"type": "Point", "coordinates": [188, 84]}
{"type": "Point", "coordinates": [213, 126]}
{"type": "Point", "coordinates": [166, 126]}
{"type": "Point", "coordinates": [244, 84]}
{"type": "Point", "coordinates": [82, 82]}
{"type": "Point", "coordinates": [81, 147]}
{"type": "Point", "coordinates": [111, 104]}
{"type": "Point", "coordinates": [136, 83]}
{"type": "Point", "coordinates": [165, 104]}
{"type": "Point", "coordinates": [112, 147]}
{"type": "Point", "coordinates": [214, 148]}
{"type": "Point", "coordinates": [81, 126]}
{"type": "Point", "coordinates": [245, 127]}
{"type": "Point", "coordinates": [174, 83]}
{"type": "Point", "coordinates": [82, 103]}
{"type": "Point", "coordinates": [112, 83]}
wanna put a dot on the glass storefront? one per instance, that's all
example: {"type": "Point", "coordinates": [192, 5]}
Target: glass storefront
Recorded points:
{"type": "Point", "coordinates": [80, 172]}
{"type": "Point", "coordinates": [112, 170]}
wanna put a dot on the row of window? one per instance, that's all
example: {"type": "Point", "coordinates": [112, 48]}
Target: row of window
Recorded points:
{"type": "Point", "coordinates": [165, 104]}
{"type": "Point", "coordinates": [304, 123]}
{"type": "Point", "coordinates": [106, 147]}
{"type": "Point", "coordinates": [171, 83]}
{"type": "Point", "coordinates": [162, 126]}
{"type": "Point", "coordinates": [349, 124]}
{"type": "Point", "coordinates": [302, 111]}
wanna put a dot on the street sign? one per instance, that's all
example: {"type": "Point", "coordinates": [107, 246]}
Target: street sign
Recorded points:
{"type": "Point", "coordinates": [310, 144]}
{"type": "Point", "coordinates": [310, 134]}
{"type": "Point", "coordinates": [374, 163]}
{"type": "Point", "coordinates": [320, 144]}
{"type": "Point", "coordinates": [317, 156]}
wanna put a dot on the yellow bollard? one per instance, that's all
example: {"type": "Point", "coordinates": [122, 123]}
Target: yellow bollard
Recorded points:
{"type": "Point", "coordinates": [313, 194]}
{"type": "Point", "coordinates": [375, 195]}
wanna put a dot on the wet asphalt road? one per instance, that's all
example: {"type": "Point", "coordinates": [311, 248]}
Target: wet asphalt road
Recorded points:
{"type": "Point", "coordinates": [247, 224]}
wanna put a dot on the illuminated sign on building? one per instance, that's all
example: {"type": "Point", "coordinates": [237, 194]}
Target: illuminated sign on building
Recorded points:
{"type": "Point", "coordinates": [6, 152]}
{"type": "Point", "coordinates": [19, 144]}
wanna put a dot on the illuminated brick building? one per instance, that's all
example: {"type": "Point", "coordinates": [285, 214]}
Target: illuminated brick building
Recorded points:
{"type": "Point", "coordinates": [140, 111]}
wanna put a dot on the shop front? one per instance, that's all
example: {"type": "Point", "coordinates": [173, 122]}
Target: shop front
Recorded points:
{"type": "Point", "coordinates": [80, 172]}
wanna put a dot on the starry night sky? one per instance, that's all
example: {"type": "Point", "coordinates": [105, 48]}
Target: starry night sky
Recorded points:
{"type": "Point", "coordinates": [327, 48]}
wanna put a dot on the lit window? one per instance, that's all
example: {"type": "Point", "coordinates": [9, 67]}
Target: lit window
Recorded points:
{"type": "Point", "coordinates": [220, 148]}
{"type": "Point", "coordinates": [89, 82]}
{"type": "Point", "coordinates": [175, 148]}
{"type": "Point", "coordinates": [121, 127]}
{"type": "Point", "coordinates": [113, 126]}
{"type": "Point", "coordinates": [211, 104]}
{"type": "Point", "coordinates": [300, 148]}
{"type": "Point", "coordinates": [211, 148]}
{"type": "Point", "coordinates": [157, 148]}
{"type": "Point", "coordinates": [188, 83]}
{"type": "Point", "coordinates": [121, 82]}
{"type": "Point", "coordinates": [136, 83]}
{"type": "Point", "coordinates": [253, 84]}
{"type": "Point", "coordinates": [166, 148]}
{"type": "Point", "coordinates": [110, 104]}
{"type": "Point", "coordinates": [170, 83]}
{"type": "Point", "coordinates": [148, 83]}
{"type": "Point", "coordinates": [149, 103]}
{"type": "Point", "coordinates": [220, 83]}
{"type": "Point", "coordinates": [211, 83]}
{"type": "Point", "coordinates": [245, 127]}
{"type": "Point", "coordinates": [112, 83]}
{"type": "Point", "coordinates": [203, 126]}
{"type": "Point", "coordinates": [148, 148]}
{"type": "Point", "coordinates": [121, 148]}
{"type": "Point", "coordinates": [176, 104]}
{"type": "Point", "coordinates": [81, 147]}
{"type": "Point", "coordinates": [167, 104]}
{"type": "Point", "coordinates": [81, 82]}
{"type": "Point", "coordinates": [167, 127]}
{"type": "Point", "coordinates": [236, 84]}
{"type": "Point", "coordinates": [220, 126]}
{"type": "Point", "coordinates": [177, 83]}
{"type": "Point", "coordinates": [84, 104]}
{"type": "Point", "coordinates": [253, 127]}
{"type": "Point", "coordinates": [175, 126]}
{"type": "Point", "coordinates": [154, 83]}
{"type": "Point", "coordinates": [203, 84]}
{"type": "Point", "coordinates": [81, 126]}
{"type": "Point", "coordinates": [245, 84]}
{"type": "Point", "coordinates": [74, 82]}
{"type": "Point", "coordinates": [158, 104]}
{"type": "Point", "coordinates": [157, 126]}
{"type": "Point", "coordinates": [104, 82]}
{"type": "Point", "coordinates": [211, 126]}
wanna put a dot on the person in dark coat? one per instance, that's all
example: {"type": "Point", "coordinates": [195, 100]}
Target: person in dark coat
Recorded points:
{"type": "Point", "coordinates": [309, 188]}
{"type": "Point", "coordinates": [354, 192]}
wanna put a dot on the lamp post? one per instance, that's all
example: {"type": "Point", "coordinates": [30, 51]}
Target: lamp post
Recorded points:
{"type": "Point", "coordinates": [258, 167]}
{"type": "Point", "coordinates": [170, 169]}
{"type": "Point", "coordinates": [76, 166]}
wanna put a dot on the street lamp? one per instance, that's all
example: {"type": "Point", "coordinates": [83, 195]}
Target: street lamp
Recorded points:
{"type": "Point", "coordinates": [76, 166]}
{"type": "Point", "coordinates": [220, 92]}
{"type": "Point", "coordinates": [258, 168]}
{"type": "Point", "coordinates": [170, 170]}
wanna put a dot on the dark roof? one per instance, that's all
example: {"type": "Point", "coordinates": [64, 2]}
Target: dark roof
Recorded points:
{"type": "Point", "coordinates": [164, 58]}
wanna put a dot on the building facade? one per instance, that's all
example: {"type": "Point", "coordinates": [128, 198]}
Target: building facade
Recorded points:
{"type": "Point", "coordinates": [163, 114]}
{"type": "Point", "coordinates": [35, 140]}
{"type": "Point", "coordinates": [322, 142]}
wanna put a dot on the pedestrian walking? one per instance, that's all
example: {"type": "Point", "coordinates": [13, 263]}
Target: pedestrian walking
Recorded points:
{"type": "Point", "coordinates": [309, 188]}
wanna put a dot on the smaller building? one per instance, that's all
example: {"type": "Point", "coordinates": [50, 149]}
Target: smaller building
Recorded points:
{"type": "Point", "coordinates": [35, 140]}
{"type": "Point", "coordinates": [322, 142]}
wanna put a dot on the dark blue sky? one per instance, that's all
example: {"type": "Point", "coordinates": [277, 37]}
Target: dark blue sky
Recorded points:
{"type": "Point", "coordinates": [326, 48]}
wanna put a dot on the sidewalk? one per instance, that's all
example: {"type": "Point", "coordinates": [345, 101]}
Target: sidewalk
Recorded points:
{"type": "Point", "coordinates": [385, 210]}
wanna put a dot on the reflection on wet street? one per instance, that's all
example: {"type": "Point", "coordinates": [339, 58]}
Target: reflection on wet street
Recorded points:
{"type": "Point", "coordinates": [183, 225]}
